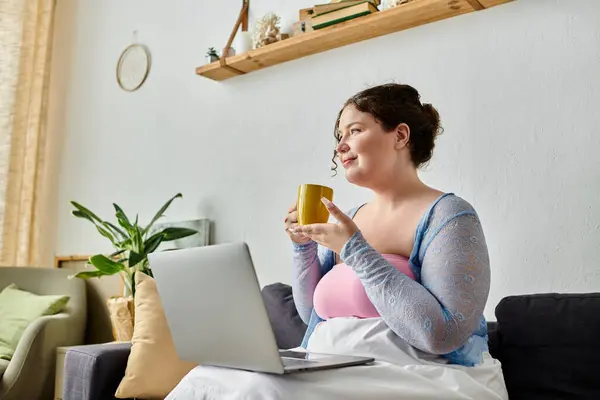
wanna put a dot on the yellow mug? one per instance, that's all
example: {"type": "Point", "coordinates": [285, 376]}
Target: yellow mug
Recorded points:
{"type": "Point", "coordinates": [311, 209]}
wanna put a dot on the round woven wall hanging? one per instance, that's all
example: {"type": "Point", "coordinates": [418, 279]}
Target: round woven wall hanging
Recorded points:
{"type": "Point", "coordinates": [133, 67]}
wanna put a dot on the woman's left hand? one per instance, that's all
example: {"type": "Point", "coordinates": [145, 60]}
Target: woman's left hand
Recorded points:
{"type": "Point", "coordinates": [332, 236]}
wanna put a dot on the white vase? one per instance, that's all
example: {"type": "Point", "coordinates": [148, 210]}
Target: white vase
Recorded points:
{"type": "Point", "coordinates": [243, 42]}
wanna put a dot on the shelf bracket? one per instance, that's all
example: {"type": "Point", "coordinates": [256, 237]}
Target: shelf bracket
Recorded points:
{"type": "Point", "coordinates": [243, 21]}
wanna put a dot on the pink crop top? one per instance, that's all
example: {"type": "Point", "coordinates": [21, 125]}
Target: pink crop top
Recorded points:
{"type": "Point", "coordinates": [340, 293]}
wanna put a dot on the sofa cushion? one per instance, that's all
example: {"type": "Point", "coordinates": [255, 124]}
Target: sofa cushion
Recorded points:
{"type": "Point", "coordinates": [153, 368]}
{"type": "Point", "coordinates": [3, 366]}
{"type": "Point", "coordinates": [285, 321]}
{"type": "Point", "coordinates": [19, 308]}
{"type": "Point", "coordinates": [549, 345]}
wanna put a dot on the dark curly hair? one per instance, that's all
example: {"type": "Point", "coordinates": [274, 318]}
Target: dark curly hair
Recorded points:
{"type": "Point", "coordinates": [392, 104]}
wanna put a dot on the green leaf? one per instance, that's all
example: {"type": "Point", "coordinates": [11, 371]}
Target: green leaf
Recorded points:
{"type": "Point", "coordinates": [81, 214]}
{"type": "Point", "coordinates": [153, 242]}
{"type": "Point", "coordinates": [174, 233]}
{"type": "Point", "coordinates": [106, 265]}
{"type": "Point", "coordinates": [84, 210]}
{"type": "Point", "coordinates": [88, 274]}
{"type": "Point", "coordinates": [137, 239]}
{"type": "Point", "coordinates": [122, 218]}
{"type": "Point", "coordinates": [133, 284]}
{"type": "Point", "coordinates": [105, 233]}
{"type": "Point", "coordinates": [116, 229]}
{"type": "Point", "coordinates": [125, 244]}
{"type": "Point", "coordinates": [160, 212]}
{"type": "Point", "coordinates": [134, 258]}
{"type": "Point", "coordinates": [117, 253]}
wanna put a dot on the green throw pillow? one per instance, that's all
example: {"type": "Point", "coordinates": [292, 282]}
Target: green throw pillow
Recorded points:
{"type": "Point", "coordinates": [18, 309]}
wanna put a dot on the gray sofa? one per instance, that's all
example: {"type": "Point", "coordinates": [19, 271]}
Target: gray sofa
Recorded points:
{"type": "Point", "coordinates": [548, 345]}
{"type": "Point", "coordinates": [30, 373]}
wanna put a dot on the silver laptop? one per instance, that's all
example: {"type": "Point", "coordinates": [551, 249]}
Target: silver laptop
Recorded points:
{"type": "Point", "coordinates": [215, 311]}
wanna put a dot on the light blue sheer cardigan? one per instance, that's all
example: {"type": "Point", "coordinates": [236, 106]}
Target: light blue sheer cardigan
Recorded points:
{"type": "Point", "coordinates": [441, 311]}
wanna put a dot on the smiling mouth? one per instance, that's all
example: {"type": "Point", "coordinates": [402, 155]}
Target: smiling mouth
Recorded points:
{"type": "Point", "coordinates": [348, 161]}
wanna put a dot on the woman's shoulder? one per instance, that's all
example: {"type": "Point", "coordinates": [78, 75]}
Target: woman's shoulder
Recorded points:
{"type": "Point", "coordinates": [449, 204]}
{"type": "Point", "coordinates": [445, 208]}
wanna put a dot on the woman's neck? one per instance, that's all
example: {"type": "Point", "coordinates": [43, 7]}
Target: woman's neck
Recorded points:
{"type": "Point", "coordinates": [397, 189]}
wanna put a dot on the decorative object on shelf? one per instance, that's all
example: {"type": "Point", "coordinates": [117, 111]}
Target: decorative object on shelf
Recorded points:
{"type": "Point", "coordinates": [132, 243]}
{"type": "Point", "coordinates": [230, 52]}
{"type": "Point", "coordinates": [211, 55]}
{"type": "Point", "coordinates": [243, 42]}
{"type": "Point", "coordinates": [300, 27]}
{"type": "Point", "coordinates": [343, 14]}
{"type": "Point", "coordinates": [133, 67]}
{"type": "Point", "coordinates": [407, 16]}
{"type": "Point", "coordinates": [325, 8]}
{"type": "Point", "coordinates": [387, 4]}
{"type": "Point", "coordinates": [305, 14]}
{"type": "Point", "coordinates": [242, 21]}
{"type": "Point", "coordinates": [266, 30]}
{"type": "Point", "coordinates": [282, 36]}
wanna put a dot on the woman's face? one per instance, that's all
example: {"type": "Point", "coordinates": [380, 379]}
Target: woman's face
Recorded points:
{"type": "Point", "coordinates": [366, 151]}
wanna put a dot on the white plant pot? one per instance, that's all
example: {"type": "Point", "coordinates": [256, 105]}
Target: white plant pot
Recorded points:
{"type": "Point", "coordinates": [211, 59]}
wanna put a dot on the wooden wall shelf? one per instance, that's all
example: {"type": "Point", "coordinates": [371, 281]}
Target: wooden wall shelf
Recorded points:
{"type": "Point", "coordinates": [405, 16]}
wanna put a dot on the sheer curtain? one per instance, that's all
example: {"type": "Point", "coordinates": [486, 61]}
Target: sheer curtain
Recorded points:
{"type": "Point", "coordinates": [26, 28]}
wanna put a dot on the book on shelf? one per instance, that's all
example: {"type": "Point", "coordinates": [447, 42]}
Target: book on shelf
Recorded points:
{"type": "Point", "coordinates": [309, 12]}
{"type": "Point", "coordinates": [325, 8]}
{"type": "Point", "coordinates": [343, 14]}
{"type": "Point", "coordinates": [376, 2]}
{"type": "Point", "coordinates": [306, 13]}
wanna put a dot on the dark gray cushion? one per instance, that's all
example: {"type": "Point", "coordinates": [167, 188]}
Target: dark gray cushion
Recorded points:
{"type": "Point", "coordinates": [493, 337]}
{"type": "Point", "coordinates": [94, 372]}
{"type": "Point", "coordinates": [549, 345]}
{"type": "Point", "coordinates": [285, 321]}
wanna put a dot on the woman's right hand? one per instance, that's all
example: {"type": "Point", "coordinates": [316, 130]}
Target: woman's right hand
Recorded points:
{"type": "Point", "coordinates": [291, 222]}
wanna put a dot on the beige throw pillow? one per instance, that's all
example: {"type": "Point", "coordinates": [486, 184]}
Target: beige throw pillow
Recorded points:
{"type": "Point", "coordinates": [153, 369]}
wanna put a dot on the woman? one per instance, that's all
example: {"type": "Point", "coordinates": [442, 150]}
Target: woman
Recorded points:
{"type": "Point", "coordinates": [403, 278]}
{"type": "Point", "coordinates": [407, 231]}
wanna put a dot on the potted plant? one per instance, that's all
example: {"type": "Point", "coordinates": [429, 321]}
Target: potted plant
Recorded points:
{"type": "Point", "coordinates": [131, 241]}
{"type": "Point", "coordinates": [211, 55]}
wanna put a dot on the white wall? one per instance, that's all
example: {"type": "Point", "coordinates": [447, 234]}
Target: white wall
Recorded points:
{"type": "Point", "coordinates": [517, 88]}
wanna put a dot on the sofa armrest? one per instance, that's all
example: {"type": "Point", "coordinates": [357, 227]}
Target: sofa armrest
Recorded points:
{"type": "Point", "coordinates": [30, 373]}
{"type": "Point", "coordinates": [94, 372]}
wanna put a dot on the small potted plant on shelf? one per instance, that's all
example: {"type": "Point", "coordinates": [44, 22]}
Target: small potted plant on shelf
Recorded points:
{"type": "Point", "coordinates": [211, 55]}
{"type": "Point", "coordinates": [132, 243]}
